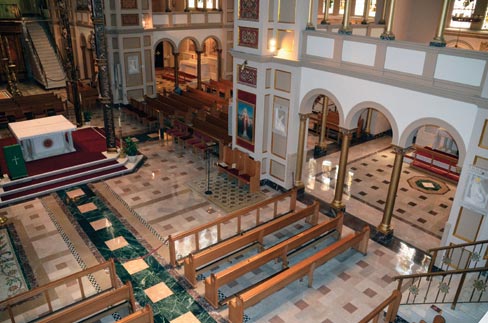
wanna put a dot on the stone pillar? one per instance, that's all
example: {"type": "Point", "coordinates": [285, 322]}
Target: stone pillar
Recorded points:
{"type": "Point", "coordinates": [337, 203]}
{"type": "Point", "coordinates": [310, 24]}
{"type": "Point", "coordinates": [103, 77]}
{"type": "Point", "coordinates": [199, 68]}
{"type": "Point", "coordinates": [177, 70]}
{"type": "Point", "coordinates": [439, 40]}
{"type": "Point", "coordinates": [301, 147]}
{"type": "Point", "coordinates": [69, 66]}
{"type": "Point", "coordinates": [219, 64]}
{"type": "Point", "coordinates": [383, 13]}
{"type": "Point", "coordinates": [388, 34]}
{"type": "Point", "coordinates": [323, 122]}
{"type": "Point", "coordinates": [325, 20]}
{"type": "Point", "coordinates": [385, 227]}
{"type": "Point", "coordinates": [366, 12]}
{"type": "Point", "coordinates": [168, 5]}
{"type": "Point", "coordinates": [369, 117]}
{"type": "Point", "coordinates": [345, 29]}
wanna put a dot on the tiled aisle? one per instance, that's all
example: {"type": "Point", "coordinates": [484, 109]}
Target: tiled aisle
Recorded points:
{"type": "Point", "coordinates": [343, 290]}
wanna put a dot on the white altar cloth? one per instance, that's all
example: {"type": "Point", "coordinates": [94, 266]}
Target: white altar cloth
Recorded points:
{"type": "Point", "coordinates": [44, 137]}
{"type": "Point", "coordinates": [189, 66]}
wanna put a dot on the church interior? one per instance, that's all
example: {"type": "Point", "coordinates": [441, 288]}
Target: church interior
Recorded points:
{"type": "Point", "coordinates": [243, 161]}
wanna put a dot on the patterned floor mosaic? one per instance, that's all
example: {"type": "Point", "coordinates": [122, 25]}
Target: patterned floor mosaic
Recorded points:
{"type": "Point", "coordinates": [226, 194]}
{"type": "Point", "coordinates": [12, 281]}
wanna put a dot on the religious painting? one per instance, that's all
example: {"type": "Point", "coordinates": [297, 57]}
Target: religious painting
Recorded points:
{"type": "Point", "coordinates": [475, 195]}
{"type": "Point", "coordinates": [249, 10]}
{"type": "Point", "coordinates": [280, 119]}
{"type": "Point", "coordinates": [133, 64]}
{"type": "Point", "coordinates": [245, 121]}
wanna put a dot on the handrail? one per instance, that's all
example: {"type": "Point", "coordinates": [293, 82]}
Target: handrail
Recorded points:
{"type": "Point", "coordinates": [392, 303]}
{"type": "Point", "coordinates": [45, 290]}
{"type": "Point", "coordinates": [451, 249]}
{"type": "Point", "coordinates": [218, 222]}
{"type": "Point", "coordinates": [447, 282]}
{"type": "Point", "coordinates": [34, 52]}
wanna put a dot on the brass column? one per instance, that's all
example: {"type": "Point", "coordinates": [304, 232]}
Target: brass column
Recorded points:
{"type": "Point", "coordinates": [339, 187]}
{"type": "Point", "coordinates": [219, 64]}
{"type": "Point", "coordinates": [383, 13]}
{"type": "Point", "coordinates": [310, 24]}
{"type": "Point", "coordinates": [168, 5]}
{"type": "Point", "coordinates": [187, 5]}
{"type": "Point", "coordinates": [388, 34]}
{"type": "Point", "coordinates": [366, 12]}
{"type": "Point", "coordinates": [367, 129]}
{"type": "Point", "coordinates": [325, 20]}
{"type": "Point", "coordinates": [199, 69]}
{"type": "Point", "coordinates": [177, 70]}
{"type": "Point", "coordinates": [439, 40]}
{"type": "Point", "coordinates": [301, 147]}
{"type": "Point", "coordinates": [323, 122]}
{"type": "Point", "coordinates": [385, 227]}
{"type": "Point", "coordinates": [345, 29]}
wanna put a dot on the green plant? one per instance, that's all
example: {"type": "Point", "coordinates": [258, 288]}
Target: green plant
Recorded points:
{"type": "Point", "coordinates": [130, 147]}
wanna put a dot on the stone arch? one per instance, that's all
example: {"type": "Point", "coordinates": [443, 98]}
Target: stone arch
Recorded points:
{"type": "Point", "coordinates": [198, 46]}
{"type": "Point", "coordinates": [308, 99]}
{"type": "Point", "coordinates": [406, 139]}
{"type": "Point", "coordinates": [170, 41]}
{"type": "Point", "coordinates": [352, 118]}
{"type": "Point", "coordinates": [214, 38]}
{"type": "Point", "coordinates": [459, 43]}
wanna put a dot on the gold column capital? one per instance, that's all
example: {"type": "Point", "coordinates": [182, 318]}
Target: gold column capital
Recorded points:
{"type": "Point", "coordinates": [347, 132]}
{"type": "Point", "coordinates": [400, 150]}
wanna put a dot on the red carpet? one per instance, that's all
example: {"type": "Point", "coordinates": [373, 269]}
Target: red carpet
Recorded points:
{"type": "Point", "coordinates": [89, 146]}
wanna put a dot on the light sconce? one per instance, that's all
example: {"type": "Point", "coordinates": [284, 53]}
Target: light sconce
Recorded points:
{"type": "Point", "coordinates": [272, 45]}
{"type": "Point", "coordinates": [243, 66]}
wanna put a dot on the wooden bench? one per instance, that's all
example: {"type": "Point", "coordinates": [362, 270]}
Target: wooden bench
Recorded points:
{"type": "Point", "coordinates": [435, 162]}
{"type": "Point", "coordinates": [240, 166]}
{"type": "Point", "coordinates": [234, 217]}
{"type": "Point", "coordinates": [246, 239]}
{"type": "Point", "coordinates": [280, 250]}
{"type": "Point", "coordinates": [250, 297]}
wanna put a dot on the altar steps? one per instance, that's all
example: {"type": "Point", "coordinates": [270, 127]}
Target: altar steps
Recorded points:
{"type": "Point", "coordinates": [41, 184]}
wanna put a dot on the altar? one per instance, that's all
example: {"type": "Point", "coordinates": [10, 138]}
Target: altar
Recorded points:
{"type": "Point", "coordinates": [44, 137]}
{"type": "Point", "coordinates": [189, 66]}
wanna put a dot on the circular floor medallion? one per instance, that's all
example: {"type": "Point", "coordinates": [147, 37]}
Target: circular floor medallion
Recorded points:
{"type": "Point", "coordinates": [47, 143]}
{"type": "Point", "coordinates": [428, 185]}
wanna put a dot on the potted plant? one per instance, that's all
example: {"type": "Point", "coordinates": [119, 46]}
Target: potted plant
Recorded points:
{"type": "Point", "coordinates": [130, 148]}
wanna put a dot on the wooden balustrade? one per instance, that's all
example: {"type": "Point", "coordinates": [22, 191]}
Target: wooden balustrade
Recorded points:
{"type": "Point", "coordinates": [246, 239]}
{"type": "Point", "coordinates": [229, 218]}
{"type": "Point", "coordinates": [281, 250]}
{"type": "Point", "coordinates": [392, 303]}
{"type": "Point", "coordinates": [250, 297]}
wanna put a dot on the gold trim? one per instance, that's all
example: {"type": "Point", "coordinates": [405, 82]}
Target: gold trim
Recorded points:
{"type": "Point", "coordinates": [279, 13]}
{"type": "Point", "coordinates": [475, 161]}
{"type": "Point", "coordinates": [271, 170]}
{"type": "Point", "coordinates": [266, 124]}
{"type": "Point", "coordinates": [483, 133]}
{"type": "Point", "coordinates": [457, 224]}
{"type": "Point", "coordinates": [276, 88]}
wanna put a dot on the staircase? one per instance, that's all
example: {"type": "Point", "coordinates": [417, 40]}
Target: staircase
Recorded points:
{"type": "Point", "coordinates": [44, 57]}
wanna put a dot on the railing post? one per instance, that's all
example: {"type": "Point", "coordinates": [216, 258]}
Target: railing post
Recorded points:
{"type": "Point", "coordinates": [172, 251]}
{"type": "Point", "coordinates": [458, 291]}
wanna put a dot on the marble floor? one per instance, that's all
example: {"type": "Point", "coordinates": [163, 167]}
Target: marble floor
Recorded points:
{"type": "Point", "coordinates": [129, 217]}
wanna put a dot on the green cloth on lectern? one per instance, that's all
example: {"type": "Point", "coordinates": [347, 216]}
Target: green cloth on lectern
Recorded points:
{"type": "Point", "coordinates": [15, 161]}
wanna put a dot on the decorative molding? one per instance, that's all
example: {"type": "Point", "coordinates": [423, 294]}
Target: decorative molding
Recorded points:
{"type": "Point", "coordinates": [130, 20]}
{"type": "Point", "coordinates": [128, 4]}
{"type": "Point", "coordinates": [248, 76]}
{"type": "Point", "coordinates": [249, 10]}
{"type": "Point", "coordinates": [248, 37]}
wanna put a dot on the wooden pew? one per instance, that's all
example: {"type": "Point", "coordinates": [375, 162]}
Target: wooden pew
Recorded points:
{"type": "Point", "coordinates": [90, 306]}
{"type": "Point", "coordinates": [144, 315]}
{"type": "Point", "coordinates": [239, 165]}
{"type": "Point", "coordinates": [209, 99]}
{"type": "Point", "coordinates": [280, 250]}
{"type": "Point", "coordinates": [256, 235]}
{"type": "Point", "coordinates": [250, 297]}
{"type": "Point", "coordinates": [234, 217]}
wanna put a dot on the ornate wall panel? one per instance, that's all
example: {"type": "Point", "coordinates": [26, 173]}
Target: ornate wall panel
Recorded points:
{"type": "Point", "coordinates": [248, 37]}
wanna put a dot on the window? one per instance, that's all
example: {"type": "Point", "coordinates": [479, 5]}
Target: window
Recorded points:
{"type": "Point", "coordinates": [462, 12]}
{"type": "Point", "coordinates": [331, 6]}
{"type": "Point", "coordinates": [359, 8]}
{"type": "Point", "coordinates": [199, 4]}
